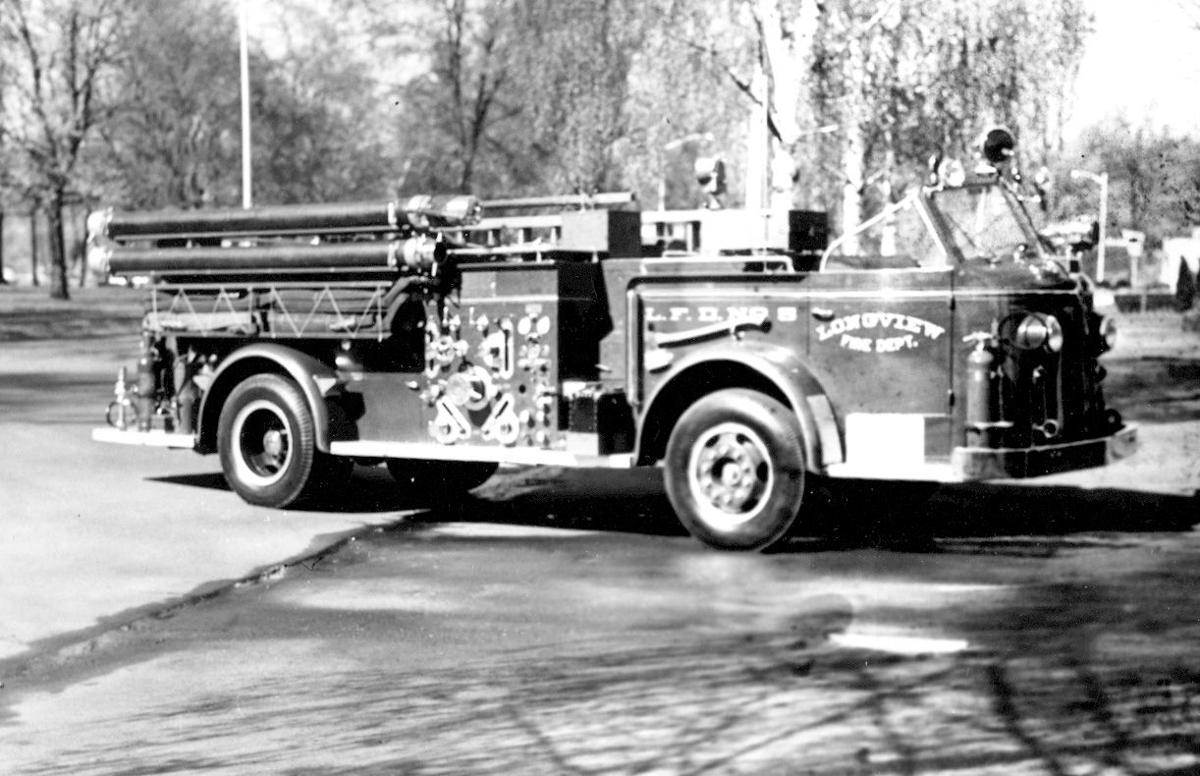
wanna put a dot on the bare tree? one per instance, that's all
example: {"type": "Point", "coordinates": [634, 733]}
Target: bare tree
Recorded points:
{"type": "Point", "coordinates": [172, 136]}
{"type": "Point", "coordinates": [517, 94]}
{"type": "Point", "coordinates": [787, 31]}
{"type": "Point", "coordinates": [61, 49]}
{"type": "Point", "coordinates": [904, 81]}
{"type": "Point", "coordinates": [575, 58]}
{"type": "Point", "coordinates": [470, 66]}
{"type": "Point", "coordinates": [323, 122]}
{"type": "Point", "coordinates": [1154, 177]}
{"type": "Point", "coordinates": [765, 51]}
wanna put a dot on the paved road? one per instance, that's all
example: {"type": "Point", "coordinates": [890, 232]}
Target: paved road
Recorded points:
{"type": "Point", "coordinates": [89, 532]}
{"type": "Point", "coordinates": [550, 634]}
{"type": "Point", "coordinates": [564, 625]}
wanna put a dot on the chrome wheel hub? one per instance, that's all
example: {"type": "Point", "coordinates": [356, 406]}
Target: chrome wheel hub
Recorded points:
{"type": "Point", "coordinates": [729, 473]}
{"type": "Point", "coordinates": [274, 444]}
{"type": "Point", "coordinates": [263, 438]}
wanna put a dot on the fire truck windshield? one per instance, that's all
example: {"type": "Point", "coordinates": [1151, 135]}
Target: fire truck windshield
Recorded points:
{"type": "Point", "coordinates": [898, 236]}
{"type": "Point", "coordinates": [984, 223]}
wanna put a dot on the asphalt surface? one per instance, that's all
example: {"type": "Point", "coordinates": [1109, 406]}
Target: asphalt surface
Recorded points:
{"type": "Point", "coordinates": [547, 633]}
{"type": "Point", "coordinates": [561, 622]}
{"type": "Point", "coordinates": [91, 534]}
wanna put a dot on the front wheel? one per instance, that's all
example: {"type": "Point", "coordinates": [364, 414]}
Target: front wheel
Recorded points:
{"type": "Point", "coordinates": [735, 470]}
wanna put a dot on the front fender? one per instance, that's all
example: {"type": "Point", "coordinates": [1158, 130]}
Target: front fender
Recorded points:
{"type": "Point", "coordinates": [752, 365]}
{"type": "Point", "coordinates": [315, 378]}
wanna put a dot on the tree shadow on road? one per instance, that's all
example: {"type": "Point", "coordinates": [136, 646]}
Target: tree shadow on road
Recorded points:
{"type": "Point", "coordinates": [370, 490]}
{"type": "Point", "coordinates": [606, 500]}
{"type": "Point", "coordinates": [921, 517]}
{"type": "Point", "coordinates": [992, 517]}
{"type": "Point", "coordinates": [602, 500]}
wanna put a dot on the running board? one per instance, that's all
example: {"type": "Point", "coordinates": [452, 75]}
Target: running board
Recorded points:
{"type": "Point", "coordinates": [519, 455]}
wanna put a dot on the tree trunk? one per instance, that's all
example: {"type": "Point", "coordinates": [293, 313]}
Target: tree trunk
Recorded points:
{"type": "Point", "coordinates": [887, 237]}
{"type": "Point", "coordinates": [33, 245]}
{"type": "Point", "coordinates": [787, 43]}
{"type": "Point", "coordinates": [853, 150]}
{"type": "Point", "coordinates": [2, 280]}
{"type": "Point", "coordinates": [854, 144]}
{"type": "Point", "coordinates": [59, 288]}
{"type": "Point", "coordinates": [82, 252]}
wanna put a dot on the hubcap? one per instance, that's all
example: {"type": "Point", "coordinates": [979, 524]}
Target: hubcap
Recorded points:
{"type": "Point", "coordinates": [729, 473]}
{"type": "Point", "coordinates": [262, 435]}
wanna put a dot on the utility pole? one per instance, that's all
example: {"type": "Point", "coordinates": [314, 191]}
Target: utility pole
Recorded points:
{"type": "Point", "coordinates": [247, 198]}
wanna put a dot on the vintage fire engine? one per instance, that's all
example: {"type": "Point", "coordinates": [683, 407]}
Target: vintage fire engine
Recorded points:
{"type": "Point", "coordinates": [941, 341]}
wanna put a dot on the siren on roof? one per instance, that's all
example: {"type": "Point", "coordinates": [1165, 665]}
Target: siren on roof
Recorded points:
{"type": "Point", "coordinates": [999, 147]}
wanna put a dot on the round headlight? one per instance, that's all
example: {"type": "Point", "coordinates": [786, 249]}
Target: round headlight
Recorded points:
{"type": "Point", "coordinates": [1108, 334]}
{"type": "Point", "coordinates": [1035, 331]}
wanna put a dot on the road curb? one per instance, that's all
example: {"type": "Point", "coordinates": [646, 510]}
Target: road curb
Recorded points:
{"type": "Point", "coordinates": [55, 657]}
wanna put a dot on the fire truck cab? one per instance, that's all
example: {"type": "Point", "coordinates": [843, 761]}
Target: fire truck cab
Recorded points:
{"type": "Point", "coordinates": [941, 341]}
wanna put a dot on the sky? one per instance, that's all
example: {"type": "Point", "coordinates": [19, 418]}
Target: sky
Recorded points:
{"type": "Point", "coordinates": [1143, 60]}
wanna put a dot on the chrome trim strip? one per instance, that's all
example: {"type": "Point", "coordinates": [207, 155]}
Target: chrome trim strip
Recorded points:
{"type": "Point", "coordinates": [429, 451]}
{"type": "Point", "coordinates": [927, 472]}
{"type": "Point", "coordinates": [543, 299]}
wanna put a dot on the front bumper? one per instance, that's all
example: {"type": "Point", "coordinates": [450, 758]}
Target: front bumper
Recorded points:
{"type": "Point", "coordinates": [985, 463]}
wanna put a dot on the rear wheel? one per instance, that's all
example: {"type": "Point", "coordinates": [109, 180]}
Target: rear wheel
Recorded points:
{"type": "Point", "coordinates": [441, 480]}
{"type": "Point", "coordinates": [267, 444]}
{"type": "Point", "coordinates": [735, 470]}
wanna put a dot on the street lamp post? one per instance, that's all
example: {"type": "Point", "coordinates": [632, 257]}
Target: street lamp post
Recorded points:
{"type": "Point", "coordinates": [1102, 180]}
{"type": "Point", "coordinates": [244, 56]}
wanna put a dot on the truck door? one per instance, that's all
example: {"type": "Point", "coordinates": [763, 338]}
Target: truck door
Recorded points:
{"type": "Point", "coordinates": [880, 342]}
